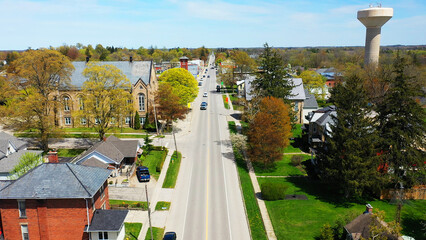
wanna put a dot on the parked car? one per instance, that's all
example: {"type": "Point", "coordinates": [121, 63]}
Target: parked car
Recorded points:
{"type": "Point", "coordinates": [200, 83]}
{"type": "Point", "coordinates": [203, 106]}
{"type": "Point", "coordinates": [142, 173]}
{"type": "Point", "coordinates": [170, 236]}
{"type": "Point", "coordinates": [208, 76]}
{"type": "Point", "coordinates": [218, 88]}
{"type": "Point", "coordinates": [205, 94]}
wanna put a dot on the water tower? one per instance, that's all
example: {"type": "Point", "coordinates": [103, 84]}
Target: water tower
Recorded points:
{"type": "Point", "coordinates": [373, 19]}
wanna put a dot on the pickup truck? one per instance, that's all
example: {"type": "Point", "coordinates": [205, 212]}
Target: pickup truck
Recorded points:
{"type": "Point", "coordinates": [142, 173]}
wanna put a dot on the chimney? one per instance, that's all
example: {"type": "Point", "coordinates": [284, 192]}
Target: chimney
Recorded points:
{"type": "Point", "coordinates": [368, 208]}
{"type": "Point", "coordinates": [131, 59]}
{"type": "Point", "coordinates": [52, 157]}
{"type": "Point", "coordinates": [87, 59]}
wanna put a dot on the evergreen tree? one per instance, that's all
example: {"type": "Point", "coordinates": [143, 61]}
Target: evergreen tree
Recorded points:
{"type": "Point", "coordinates": [349, 159]}
{"type": "Point", "coordinates": [402, 127]}
{"type": "Point", "coordinates": [272, 80]}
{"type": "Point", "coordinates": [137, 124]}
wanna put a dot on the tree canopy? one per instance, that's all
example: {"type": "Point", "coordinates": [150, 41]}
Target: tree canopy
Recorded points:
{"type": "Point", "coordinates": [269, 132]}
{"type": "Point", "coordinates": [314, 83]}
{"type": "Point", "coordinates": [402, 127]}
{"type": "Point", "coordinates": [35, 78]}
{"type": "Point", "coordinates": [28, 161]}
{"type": "Point", "coordinates": [106, 97]}
{"type": "Point", "coordinates": [183, 84]}
{"type": "Point", "coordinates": [350, 156]}
{"type": "Point", "coordinates": [272, 79]}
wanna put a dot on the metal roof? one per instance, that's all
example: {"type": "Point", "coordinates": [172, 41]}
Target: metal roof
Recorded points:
{"type": "Point", "coordinates": [133, 70]}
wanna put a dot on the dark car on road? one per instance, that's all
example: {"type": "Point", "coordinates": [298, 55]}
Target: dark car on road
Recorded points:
{"type": "Point", "coordinates": [170, 236]}
{"type": "Point", "coordinates": [203, 106]}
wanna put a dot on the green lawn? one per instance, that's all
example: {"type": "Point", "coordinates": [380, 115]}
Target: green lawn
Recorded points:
{"type": "Point", "coordinates": [132, 230]}
{"type": "Point", "coordinates": [172, 171]}
{"type": "Point", "coordinates": [224, 101]}
{"type": "Point", "coordinates": [232, 127]}
{"type": "Point", "coordinates": [69, 152]}
{"type": "Point", "coordinates": [235, 105]}
{"type": "Point", "coordinates": [282, 168]}
{"type": "Point", "coordinates": [160, 205]}
{"type": "Point", "coordinates": [156, 232]}
{"type": "Point", "coordinates": [156, 157]}
{"type": "Point", "coordinates": [80, 135]}
{"type": "Point", "coordinates": [303, 219]}
{"type": "Point", "coordinates": [255, 218]}
{"type": "Point", "coordinates": [130, 204]}
{"type": "Point", "coordinates": [113, 130]}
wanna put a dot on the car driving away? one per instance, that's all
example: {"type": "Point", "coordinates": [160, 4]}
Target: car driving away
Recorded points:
{"type": "Point", "coordinates": [203, 106]}
{"type": "Point", "coordinates": [205, 94]}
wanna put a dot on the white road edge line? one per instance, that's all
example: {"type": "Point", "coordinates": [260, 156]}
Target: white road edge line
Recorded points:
{"type": "Point", "coordinates": [187, 201]}
{"type": "Point", "coordinates": [224, 179]}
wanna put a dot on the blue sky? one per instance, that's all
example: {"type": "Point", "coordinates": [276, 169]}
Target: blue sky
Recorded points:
{"type": "Point", "coordinates": [193, 23]}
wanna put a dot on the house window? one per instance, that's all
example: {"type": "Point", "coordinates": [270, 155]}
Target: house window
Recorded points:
{"type": "Point", "coordinates": [97, 121]}
{"type": "Point", "coordinates": [24, 231]}
{"type": "Point", "coordinates": [102, 235]}
{"type": "Point", "coordinates": [83, 121]}
{"type": "Point", "coordinates": [112, 120]}
{"type": "Point", "coordinates": [141, 102]}
{"type": "Point", "coordinates": [67, 121]}
{"type": "Point", "coordinates": [22, 209]}
{"type": "Point", "coordinates": [66, 103]}
{"type": "Point", "coordinates": [103, 206]}
{"type": "Point", "coordinates": [142, 120]}
{"type": "Point", "coordinates": [127, 120]}
{"type": "Point", "coordinates": [102, 191]}
{"type": "Point", "coordinates": [80, 100]}
{"type": "Point", "coordinates": [296, 107]}
{"type": "Point", "coordinates": [140, 87]}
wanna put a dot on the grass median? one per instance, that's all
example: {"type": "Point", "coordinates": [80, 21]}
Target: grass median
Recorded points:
{"type": "Point", "coordinates": [128, 204]}
{"type": "Point", "coordinates": [172, 171]}
{"type": "Point", "coordinates": [225, 103]}
{"type": "Point", "coordinates": [162, 206]}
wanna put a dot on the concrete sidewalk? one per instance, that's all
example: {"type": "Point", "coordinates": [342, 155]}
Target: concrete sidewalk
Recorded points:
{"type": "Point", "coordinates": [263, 210]}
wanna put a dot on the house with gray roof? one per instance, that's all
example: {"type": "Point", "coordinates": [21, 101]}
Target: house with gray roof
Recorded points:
{"type": "Point", "coordinates": [113, 153]}
{"type": "Point", "coordinates": [54, 199]}
{"type": "Point", "coordinates": [297, 96]}
{"type": "Point", "coordinates": [143, 85]}
{"type": "Point", "coordinates": [11, 151]}
{"type": "Point", "coordinates": [319, 126]}
{"type": "Point", "coordinates": [309, 105]}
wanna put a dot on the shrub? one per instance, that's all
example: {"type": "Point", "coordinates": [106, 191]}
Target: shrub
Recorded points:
{"type": "Point", "coordinates": [296, 160]}
{"type": "Point", "coordinates": [110, 182]}
{"type": "Point", "coordinates": [326, 233]}
{"type": "Point", "coordinates": [273, 191]}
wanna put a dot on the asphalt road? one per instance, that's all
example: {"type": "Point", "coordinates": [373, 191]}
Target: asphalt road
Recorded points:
{"type": "Point", "coordinates": [207, 203]}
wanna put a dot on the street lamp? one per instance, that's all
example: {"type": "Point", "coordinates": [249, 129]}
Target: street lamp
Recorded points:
{"type": "Point", "coordinates": [143, 175]}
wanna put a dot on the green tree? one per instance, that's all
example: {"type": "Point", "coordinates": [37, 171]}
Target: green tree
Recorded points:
{"type": "Point", "coordinates": [106, 97]}
{"type": "Point", "coordinates": [36, 76]}
{"type": "Point", "coordinates": [314, 83]}
{"type": "Point", "coordinates": [402, 127]}
{"type": "Point", "coordinates": [272, 80]}
{"type": "Point", "coordinates": [183, 84]}
{"type": "Point", "coordinates": [169, 108]}
{"type": "Point", "coordinates": [269, 132]}
{"type": "Point", "coordinates": [27, 161]}
{"type": "Point", "coordinates": [243, 62]}
{"type": "Point", "coordinates": [349, 159]}
{"type": "Point", "coordinates": [137, 121]}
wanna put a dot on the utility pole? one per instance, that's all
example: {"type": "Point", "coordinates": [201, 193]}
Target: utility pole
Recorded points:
{"type": "Point", "coordinates": [149, 210]}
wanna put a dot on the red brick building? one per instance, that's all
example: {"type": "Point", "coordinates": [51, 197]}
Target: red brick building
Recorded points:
{"type": "Point", "coordinates": [53, 201]}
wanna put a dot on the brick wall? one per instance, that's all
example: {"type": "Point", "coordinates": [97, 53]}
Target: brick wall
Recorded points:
{"type": "Point", "coordinates": [50, 219]}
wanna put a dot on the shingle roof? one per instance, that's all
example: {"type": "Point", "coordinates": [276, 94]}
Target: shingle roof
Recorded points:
{"type": "Point", "coordinates": [107, 220]}
{"type": "Point", "coordinates": [360, 226]}
{"type": "Point", "coordinates": [4, 143]}
{"type": "Point", "coordinates": [57, 181]}
{"type": "Point", "coordinates": [94, 162]}
{"type": "Point", "coordinates": [310, 101]}
{"type": "Point", "coordinates": [5, 183]}
{"type": "Point", "coordinates": [133, 70]}
{"type": "Point", "coordinates": [8, 163]}
{"type": "Point", "coordinates": [298, 92]}
{"type": "Point", "coordinates": [113, 148]}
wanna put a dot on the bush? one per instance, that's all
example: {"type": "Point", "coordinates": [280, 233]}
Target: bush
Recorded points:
{"type": "Point", "coordinates": [296, 160]}
{"type": "Point", "coordinates": [273, 191]}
